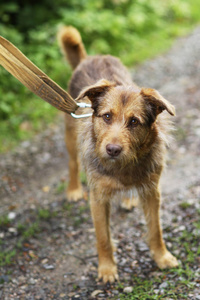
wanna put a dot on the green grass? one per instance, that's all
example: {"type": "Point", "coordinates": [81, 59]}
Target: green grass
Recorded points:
{"type": "Point", "coordinates": [26, 230]}
{"type": "Point", "coordinates": [4, 221]}
{"type": "Point", "coordinates": [61, 187]}
{"type": "Point", "coordinates": [33, 225]}
{"type": "Point", "coordinates": [30, 230]}
{"type": "Point", "coordinates": [180, 281]}
{"type": "Point", "coordinates": [83, 178]}
{"type": "Point", "coordinates": [46, 214]}
{"type": "Point", "coordinates": [177, 288]}
{"type": "Point", "coordinates": [7, 257]}
{"type": "Point", "coordinates": [185, 205]}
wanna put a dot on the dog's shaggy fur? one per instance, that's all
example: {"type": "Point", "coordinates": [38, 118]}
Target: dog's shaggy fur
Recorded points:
{"type": "Point", "coordinates": [122, 146]}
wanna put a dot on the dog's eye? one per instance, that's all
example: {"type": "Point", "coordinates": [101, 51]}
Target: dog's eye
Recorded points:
{"type": "Point", "coordinates": [107, 117]}
{"type": "Point", "coordinates": [134, 122]}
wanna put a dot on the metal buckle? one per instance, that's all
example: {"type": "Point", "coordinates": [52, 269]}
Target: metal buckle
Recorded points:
{"type": "Point", "coordinates": [82, 105]}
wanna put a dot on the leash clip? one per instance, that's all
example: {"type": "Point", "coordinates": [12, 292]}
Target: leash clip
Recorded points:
{"type": "Point", "coordinates": [82, 105]}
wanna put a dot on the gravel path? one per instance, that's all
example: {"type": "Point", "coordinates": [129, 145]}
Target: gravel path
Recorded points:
{"type": "Point", "coordinates": [53, 241]}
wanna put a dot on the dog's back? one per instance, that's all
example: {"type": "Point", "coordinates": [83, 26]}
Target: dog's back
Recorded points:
{"type": "Point", "coordinates": [89, 69]}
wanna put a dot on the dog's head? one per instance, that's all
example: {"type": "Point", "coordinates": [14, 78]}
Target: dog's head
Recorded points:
{"type": "Point", "coordinates": [125, 120]}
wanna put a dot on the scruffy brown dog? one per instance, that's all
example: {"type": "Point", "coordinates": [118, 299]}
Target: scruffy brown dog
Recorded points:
{"type": "Point", "coordinates": [122, 146]}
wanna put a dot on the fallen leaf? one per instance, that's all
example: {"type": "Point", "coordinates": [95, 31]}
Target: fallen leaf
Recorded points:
{"type": "Point", "coordinates": [46, 189]}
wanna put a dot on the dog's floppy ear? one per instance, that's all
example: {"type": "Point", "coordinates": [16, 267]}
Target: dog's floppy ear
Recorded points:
{"type": "Point", "coordinates": [94, 92]}
{"type": "Point", "coordinates": [157, 102]}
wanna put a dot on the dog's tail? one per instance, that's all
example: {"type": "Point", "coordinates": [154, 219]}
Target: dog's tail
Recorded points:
{"type": "Point", "coordinates": [72, 45]}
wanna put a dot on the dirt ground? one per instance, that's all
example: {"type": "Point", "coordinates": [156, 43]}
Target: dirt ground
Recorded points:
{"type": "Point", "coordinates": [53, 240]}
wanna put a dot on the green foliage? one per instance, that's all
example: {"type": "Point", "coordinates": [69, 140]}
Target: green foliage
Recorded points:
{"type": "Point", "coordinates": [6, 257]}
{"type": "Point", "coordinates": [131, 30]}
{"type": "Point", "coordinates": [180, 281]}
{"type": "Point", "coordinates": [4, 221]}
{"type": "Point", "coordinates": [61, 187]}
{"type": "Point", "coordinates": [46, 214]}
{"type": "Point", "coordinates": [31, 231]}
{"type": "Point", "coordinates": [83, 178]}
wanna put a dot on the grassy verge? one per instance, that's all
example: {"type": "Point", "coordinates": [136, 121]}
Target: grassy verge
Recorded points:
{"type": "Point", "coordinates": [18, 234]}
{"type": "Point", "coordinates": [177, 283]}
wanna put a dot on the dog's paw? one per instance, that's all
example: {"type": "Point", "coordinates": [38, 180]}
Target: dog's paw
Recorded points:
{"type": "Point", "coordinates": [166, 261]}
{"type": "Point", "coordinates": [108, 273]}
{"type": "Point", "coordinates": [75, 194]}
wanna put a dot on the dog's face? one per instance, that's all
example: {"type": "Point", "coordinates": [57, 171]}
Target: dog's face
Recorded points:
{"type": "Point", "coordinates": [124, 121]}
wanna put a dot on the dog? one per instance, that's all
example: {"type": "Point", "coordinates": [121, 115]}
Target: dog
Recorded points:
{"type": "Point", "coordinates": [122, 146]}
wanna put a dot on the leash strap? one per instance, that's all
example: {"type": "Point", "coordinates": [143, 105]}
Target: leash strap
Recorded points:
{"type": "Point", "coordinates": [16, 63]}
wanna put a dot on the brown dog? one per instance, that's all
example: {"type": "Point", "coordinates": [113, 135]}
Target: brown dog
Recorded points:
{"type": "Point", "coordinates": [122, 146]}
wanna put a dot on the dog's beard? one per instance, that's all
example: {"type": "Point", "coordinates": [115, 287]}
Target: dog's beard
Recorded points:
{"type": "Point", "coordinates": [118, 163]}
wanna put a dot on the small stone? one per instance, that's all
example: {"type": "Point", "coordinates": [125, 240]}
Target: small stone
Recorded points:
{"type": "Point", "coordinates": [134, 263]}
{"type": "Point", "coordinates": [123, 261]}
{"type": "Point", "coordinates": [48, 267]}
{"type": "Point", "coordinates": [25, 144]}
{"type": "Point", "coordinates": [128, 289]}
{"type": "Point", "coordinates": [128, 270]}
{"type": "Point", "coordinates": [12, 230]}
{"type": "Point", "coordinates": [46, 189]}
{"type": "Point", "coordinates": [129, 248]}
{"type": "Point", "coordinates": [115, 292]}
{"type": "Point", "coordinates": [95, 293]}
{"type": "Point", "coordinates": [44, 261]}
{"type": "Point", "coordinates": [182, 228]}
{"type": "Point", "coordinates": [15, 281]}
{"type": "Point", "coordinates": [12, 215]}
{"type": "Point", "coordinates": [62, 295]}
{"type": "Point", "coordinates": [71, 294]}
{"type": "Point", "coordinates": [163, 285]}
{"type": "Point", "coordinates": [32, 281]}
{"type": "Point", "coordinates": [169, 245]}
{"type": "Point", "coordinates": [4, 278]}
{"type": "Point", "coordinates": [143, 247]}
{"type": "Point", "coordinates": [101, 295]}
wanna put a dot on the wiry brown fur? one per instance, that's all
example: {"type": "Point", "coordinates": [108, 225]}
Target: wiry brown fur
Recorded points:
{"type": "Point", "coordinates": [122, 146]}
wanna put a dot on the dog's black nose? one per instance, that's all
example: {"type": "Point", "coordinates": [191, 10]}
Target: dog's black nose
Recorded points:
{"type": "Point", "coordinates": [113, 150]}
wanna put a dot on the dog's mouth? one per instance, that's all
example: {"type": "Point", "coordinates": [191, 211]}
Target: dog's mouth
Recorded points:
{"type": "Point", "coordinates": [113, 159]}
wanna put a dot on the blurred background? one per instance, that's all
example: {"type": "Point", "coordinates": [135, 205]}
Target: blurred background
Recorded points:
{"type": "Point", "coordinates": [133, 30]}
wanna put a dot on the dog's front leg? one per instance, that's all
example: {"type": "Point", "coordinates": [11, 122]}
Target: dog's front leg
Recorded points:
{"type": "Point", "coordinates": [100, 209]}
{"type": "Point", "coordinates": [151, 206]}
{"type": "Point", "coordinates": [74, 190]}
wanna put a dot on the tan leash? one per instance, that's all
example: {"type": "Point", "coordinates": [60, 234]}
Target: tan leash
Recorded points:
{"type": "Point", "coordinates": [16, 63]}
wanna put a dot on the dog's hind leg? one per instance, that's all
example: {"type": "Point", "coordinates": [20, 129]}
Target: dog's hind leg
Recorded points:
{"type": "Point", "coordinates": [74, 190]}
{"type": "Point", "coordinates": [151, 205]}
{"type": "Point", "coordinates": [100, 208]}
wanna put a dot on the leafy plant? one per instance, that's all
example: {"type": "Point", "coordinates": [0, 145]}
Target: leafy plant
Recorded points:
{"type": "Point", "coordinates": [6, 257]}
